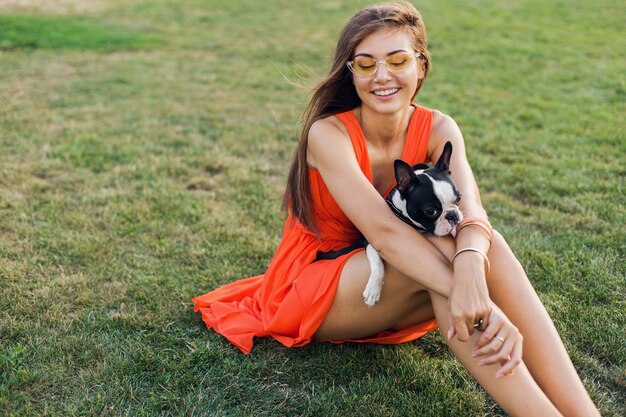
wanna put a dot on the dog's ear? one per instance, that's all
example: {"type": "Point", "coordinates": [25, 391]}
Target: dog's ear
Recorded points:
{"type": "Point", "coordinates": [444, 160]}
{"type": "Point", "coordinates": [404, 175]}
{"type": "Point", "coordinates": [419, 166]}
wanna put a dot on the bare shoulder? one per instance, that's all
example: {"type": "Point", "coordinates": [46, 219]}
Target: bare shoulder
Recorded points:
{"type": "Point", "coordinates": [444, 129]}
{"type": "Point", "coordinates": [443, 125]}
{"type": "Point", "coordinates": [327, 134]}
{"type": "Point", "coordinates": [330, 124]}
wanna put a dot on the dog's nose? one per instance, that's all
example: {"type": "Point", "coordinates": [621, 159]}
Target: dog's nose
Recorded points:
{"type": "Point", "coordinates": [452, 217]}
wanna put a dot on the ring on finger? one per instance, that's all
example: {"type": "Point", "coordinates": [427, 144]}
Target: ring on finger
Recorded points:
{"type": "Point", "coordinates": [499, 338]}
{"type": "Point", "coordinates": [478, 323]}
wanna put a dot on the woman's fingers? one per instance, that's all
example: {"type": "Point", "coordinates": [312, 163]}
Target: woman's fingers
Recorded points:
{"type": "Point", "coordinates": [479, 320]}
{"type": "Point", "coordinates": [451, 329]}
{"type": "Point", "coordinates": [516, 358]}
{"type": "Point", "coordinates": [492, 347]}
{"type": "Point", "coordinates": [456, 321]}
{"type": "Point", "coordinates": [466, 324]}
{"type": "Point", "coordinates": [487, 336]}
{"type": "Point", "coordinates": [462, 332]}
{"type": "Point", "coordinates": [501, 355]}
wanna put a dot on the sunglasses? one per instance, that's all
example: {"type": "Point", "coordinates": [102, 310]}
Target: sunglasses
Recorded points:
{"type": "Point", "coordinates": [366, 66]}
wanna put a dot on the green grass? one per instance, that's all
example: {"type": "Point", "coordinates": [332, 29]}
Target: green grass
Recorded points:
{"type": "Point", "coordinates": [130, 135]}
{"type": "Point", "coordinates": [63, 32]}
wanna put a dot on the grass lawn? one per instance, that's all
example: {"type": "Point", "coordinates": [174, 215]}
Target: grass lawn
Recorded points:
{"type": "Point", "coordinates": [144, 147]}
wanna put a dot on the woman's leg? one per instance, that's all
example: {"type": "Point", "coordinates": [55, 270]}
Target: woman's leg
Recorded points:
{"type": "Point", "coordinates": [403, 302]}
{"type": "Point", "coordinates": [544, 353]}
{"type": "Point", "coordinates": [518, 394]}
{"type": "Point", "coordinates": [349, 317]}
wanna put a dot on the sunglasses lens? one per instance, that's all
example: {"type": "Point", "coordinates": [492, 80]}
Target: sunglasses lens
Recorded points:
{"type": "Point", "coordinates": [399, 61]}
{"type": "Point", "coordinates": [364, 65]}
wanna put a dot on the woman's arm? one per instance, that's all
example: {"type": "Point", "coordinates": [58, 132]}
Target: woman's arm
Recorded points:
{"type": "Point", "coordinates": [469, 292]}
{"type": "Point", "coordinates": [330, 151]}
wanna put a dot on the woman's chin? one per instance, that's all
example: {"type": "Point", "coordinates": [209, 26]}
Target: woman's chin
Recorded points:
{"type": "Point", "coordinates": [387, 107]}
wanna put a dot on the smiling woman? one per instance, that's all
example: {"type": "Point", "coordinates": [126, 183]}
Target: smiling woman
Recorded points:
{"type": "Point", "coordinates": [387, 97]}
{"type": "Point", "coordinates": [360, 120]}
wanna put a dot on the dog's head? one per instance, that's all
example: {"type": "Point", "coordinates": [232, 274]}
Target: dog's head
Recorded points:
{"type": "Point", "coordinates": [427, 195]}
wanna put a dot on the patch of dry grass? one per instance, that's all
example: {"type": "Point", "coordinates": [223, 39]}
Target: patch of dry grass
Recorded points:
{"type": "Point", "coordinates": [57, 7]}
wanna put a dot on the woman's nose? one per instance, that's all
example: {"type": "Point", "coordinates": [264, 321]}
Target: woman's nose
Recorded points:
{"type": "Point", "coordinates": [382, 72]}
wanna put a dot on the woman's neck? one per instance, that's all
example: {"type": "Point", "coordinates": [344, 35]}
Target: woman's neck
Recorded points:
{"type": "Point", "coordinates": [382, 130]}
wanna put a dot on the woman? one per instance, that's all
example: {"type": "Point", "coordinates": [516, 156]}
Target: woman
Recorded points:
{"type": "Point", "coordinates": [360, 119]}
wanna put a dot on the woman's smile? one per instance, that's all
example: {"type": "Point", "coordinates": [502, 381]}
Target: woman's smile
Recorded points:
{"type": "Point", "coordinates": [385, 92]}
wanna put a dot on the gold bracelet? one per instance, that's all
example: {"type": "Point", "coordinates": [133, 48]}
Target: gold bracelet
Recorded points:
{"type": "Point", "coordinates": [460, 251]}
{"type": "Point", "coordinates": [479, 224]}
{"type": "Point", "coordinates": [478, 221]}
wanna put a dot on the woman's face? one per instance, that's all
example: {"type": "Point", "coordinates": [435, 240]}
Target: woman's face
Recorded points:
{"type": "Point", "coordinates": [386, 91]}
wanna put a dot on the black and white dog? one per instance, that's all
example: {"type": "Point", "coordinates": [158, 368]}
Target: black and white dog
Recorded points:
{"type": "Point", "coordinates": [426, 198]}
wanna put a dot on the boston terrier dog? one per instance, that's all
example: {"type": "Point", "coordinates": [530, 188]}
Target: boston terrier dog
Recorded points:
{"type": "Point", "coordinates": [426, 199]}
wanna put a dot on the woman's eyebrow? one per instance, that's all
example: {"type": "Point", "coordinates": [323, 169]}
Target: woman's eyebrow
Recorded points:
{"type": "Point", "coordinates": [390, 53]}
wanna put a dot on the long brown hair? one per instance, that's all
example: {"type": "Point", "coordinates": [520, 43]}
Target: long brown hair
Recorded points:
{"type": "Point", "coordinates": [336, 93]}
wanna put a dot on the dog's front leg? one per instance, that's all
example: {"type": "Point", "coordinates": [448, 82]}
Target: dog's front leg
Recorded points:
{"type": "Point", "coordinates": [377, 271]}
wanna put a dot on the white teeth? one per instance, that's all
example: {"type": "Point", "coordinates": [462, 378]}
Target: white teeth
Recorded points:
{"type": "Point", "coordinates": [385, 92]}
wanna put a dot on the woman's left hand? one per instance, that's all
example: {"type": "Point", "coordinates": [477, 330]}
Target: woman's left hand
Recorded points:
{"type": "Point", "coordinates": [500, 342]}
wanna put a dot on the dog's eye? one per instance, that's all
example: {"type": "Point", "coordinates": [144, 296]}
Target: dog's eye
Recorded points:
{"type": "Point", "coordinates": [431, 212]}
{"type": "Point", "coordinates": [458, 200]}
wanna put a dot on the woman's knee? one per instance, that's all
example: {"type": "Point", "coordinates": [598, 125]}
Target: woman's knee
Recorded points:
{"type": "Point", "coordinates": [498, 240]}
{"type": "Point", "coordinates": [500, 250]}
{"type": "Point", "coordinates": [504, 264]}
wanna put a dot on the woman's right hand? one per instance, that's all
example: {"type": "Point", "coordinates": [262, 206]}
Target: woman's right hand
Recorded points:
{"type": "Point", "coordinates": [469, 299]}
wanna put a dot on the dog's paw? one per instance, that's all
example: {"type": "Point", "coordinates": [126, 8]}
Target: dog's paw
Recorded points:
{"type": "Point", "coordinates": [371, 295]}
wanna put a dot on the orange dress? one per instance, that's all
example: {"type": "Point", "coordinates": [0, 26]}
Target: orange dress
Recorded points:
{"type": "Point", "coordinates": [290, 300]}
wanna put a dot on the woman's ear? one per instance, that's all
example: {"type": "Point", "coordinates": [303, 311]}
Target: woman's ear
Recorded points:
{"type": "Point", "coordinates": [421, 69]}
